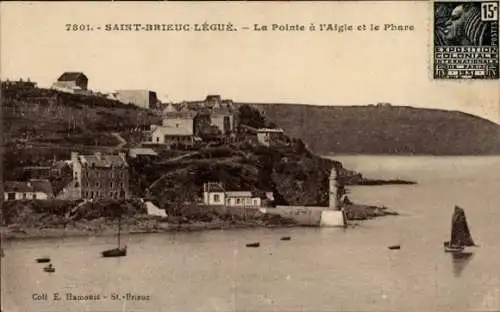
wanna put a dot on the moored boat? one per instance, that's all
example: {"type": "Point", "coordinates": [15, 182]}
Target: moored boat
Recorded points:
{"type": "Point", "coordinates": [43, 260]}
{"type": "Point", "coordinates": [254, 245]}
{"type": "Point", "coordinates": [49, 268]}
{"type": "Point", "coordinates": [116, 252]}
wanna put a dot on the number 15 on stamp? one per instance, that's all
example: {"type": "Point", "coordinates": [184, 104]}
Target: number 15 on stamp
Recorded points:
{"type": "Point", "coordinates": [466, 40]}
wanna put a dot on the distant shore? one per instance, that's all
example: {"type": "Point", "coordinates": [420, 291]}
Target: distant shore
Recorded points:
{"type": "Point", "coordinates": [374, 182]}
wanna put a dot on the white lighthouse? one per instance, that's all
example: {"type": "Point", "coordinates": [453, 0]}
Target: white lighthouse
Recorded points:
{"type": "Point", "coordinates": [333, 216]}
{"type": "Point", "coordinates": [333, 190]}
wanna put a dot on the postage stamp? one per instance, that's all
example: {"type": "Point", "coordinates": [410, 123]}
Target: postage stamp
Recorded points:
{"type": "Point", "coordinates": [466, 39]}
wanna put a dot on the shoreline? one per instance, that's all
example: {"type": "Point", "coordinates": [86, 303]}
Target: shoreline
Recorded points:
{"type": "Point", "coordinates": [50, 233]}
{"type": "Point", "coordinates": [354, 213]}
{"type": "Point", "coordinates": [376, 182]}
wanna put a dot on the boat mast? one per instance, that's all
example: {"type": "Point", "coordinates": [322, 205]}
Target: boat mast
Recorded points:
{"type": "Point", "coordinates": [119, 228]}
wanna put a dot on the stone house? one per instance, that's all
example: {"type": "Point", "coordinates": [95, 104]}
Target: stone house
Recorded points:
{"type": "Point", "coordinates": [224, 119]}
{"type": "Point", "coordinates": [100, 176]}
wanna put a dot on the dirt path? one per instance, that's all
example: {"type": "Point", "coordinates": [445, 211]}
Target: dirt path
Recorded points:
{"type": "Point", "coordinates": [123, 142]}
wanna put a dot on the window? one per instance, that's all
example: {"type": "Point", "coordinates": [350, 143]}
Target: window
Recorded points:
{"type": "Point", "coordinates": [111, 184]}
{"type": "Point", "coordinates": [216, 198]}
{"type": "Point", "coordinates": [238, 200]}
{"type": "Point", "coordinates": [111, 194]}
{"type": "Point", "coordinates": [11, 196]}
{"type": "Point", "coordinates": [157, 139]}
{"type": "Point", "coordinates": [24, 195]}
{"type": "Point", "coordinates": [34, 195]}
{"type": "Point", "coordinates": [97, 184]}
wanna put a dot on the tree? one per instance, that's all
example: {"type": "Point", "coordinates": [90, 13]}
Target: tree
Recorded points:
{"type": "Point", "coordinates": [251, 117]}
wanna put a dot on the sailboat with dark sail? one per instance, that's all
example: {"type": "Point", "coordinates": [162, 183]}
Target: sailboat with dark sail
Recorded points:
{"type": "Point", "coordinates": [116, 252]}
{"type": "Point", "coordinates": [460, 233]}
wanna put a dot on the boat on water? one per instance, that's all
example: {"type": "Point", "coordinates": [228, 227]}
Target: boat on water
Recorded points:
{"type": "Point", "coordinates": [395, 247]}
{"type": "Point", "coordinates": [49, 268]}
{"type": "Point", "coordinates": [116, 252]}
{"type": "Point", "coordinates": [286, 238]}
{"type": "Point", "coordinates": [254, 245]}
{"type": "Point", "coordinates": [43, 260]}
{"type": "Point", "coordinates": [461, 237]}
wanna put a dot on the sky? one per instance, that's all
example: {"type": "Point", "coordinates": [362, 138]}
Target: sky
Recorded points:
{"type": "Point", "coordinates": [308, 67]}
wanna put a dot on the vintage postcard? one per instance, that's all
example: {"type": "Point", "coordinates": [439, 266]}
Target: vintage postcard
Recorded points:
{"type": "Point", "coordinates": [249, 156]}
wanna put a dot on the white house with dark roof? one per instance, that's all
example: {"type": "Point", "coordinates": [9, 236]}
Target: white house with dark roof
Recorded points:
{"type": "Point", "coordinates": [34, 189]}
{"type": "Point", "coordinates": [71, 82]}
{"type": "Point", "coordinates": [214, 194]}
{"type": "Point", "coordinates": [172, 135]}
{"type": "Point", "coordinates": [141, 151]}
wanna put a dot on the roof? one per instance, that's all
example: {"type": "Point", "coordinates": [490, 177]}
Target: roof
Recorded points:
{"type": "Point", "coordinates": [248, 194]}
{"type": "Point", "coordinates": [36, 168]}
{"type": "Point", "coordinates": [142, 151]}
{"type": "Point", "coordinates": [42, 186]}
{"type": "Point", "coordinates": [269, 130]}
{"type": "Point", "coordinates": [187, 114]}
{"type": "Point", "coordinates": [169, 108]}
{"type": "Point", "coordinates": [60, 164]}
{"type": "Point", "coordinates": [223, 111]}
{"type": "Point", "coordinates": [212, 97]}
{"type": "Point", "coordinates": [103, 161]}
{"type": "Point", "coordinates": [214, 187]}
{"type": "Point", "coordinates": [173, 131]}
{"type": "Point", "coordinates": [71, 76]}
{"type": "Point", "coordinates": [239, 194]}
{"type": "Point", "coordinates": [14, 186]}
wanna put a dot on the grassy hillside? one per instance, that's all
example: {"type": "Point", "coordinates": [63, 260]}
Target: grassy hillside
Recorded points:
{"type": "Point", "coordinates": [386, 129]}
{"type": "Point", "coordinates": [41, 124]}
{"type": "Point", "coordinates": [296, 176]}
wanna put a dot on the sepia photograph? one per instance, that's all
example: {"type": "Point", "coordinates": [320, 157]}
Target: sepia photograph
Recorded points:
{"type": "Point", "coordinates": [248, 156]}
